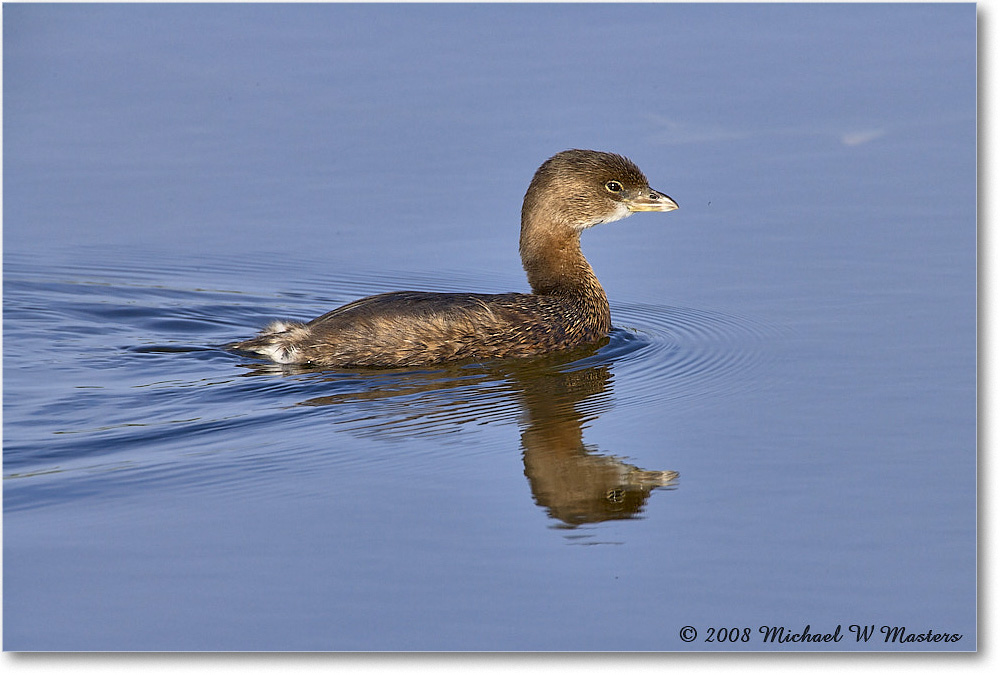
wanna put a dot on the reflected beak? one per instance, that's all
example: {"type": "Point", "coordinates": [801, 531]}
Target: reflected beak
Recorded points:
{"type": "Point", "coordinates": [650, 200]}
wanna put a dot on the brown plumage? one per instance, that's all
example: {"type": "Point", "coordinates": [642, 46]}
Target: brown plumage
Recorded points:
{"type": "Point", "coordinates": [570, 192]}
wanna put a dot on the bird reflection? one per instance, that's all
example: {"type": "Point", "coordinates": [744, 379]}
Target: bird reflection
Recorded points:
{"type": "Point", "coordinates": [568, 478]}
{"type": "Point", "coordinates": [552, 398]}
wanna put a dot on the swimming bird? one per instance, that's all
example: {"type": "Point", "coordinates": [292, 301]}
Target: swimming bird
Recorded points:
{"type": "Point", "coordinates": [570, 192]}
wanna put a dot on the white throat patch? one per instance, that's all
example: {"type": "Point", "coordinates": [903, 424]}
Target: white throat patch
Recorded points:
{"type": "Point", "coordinates": [621, 211]}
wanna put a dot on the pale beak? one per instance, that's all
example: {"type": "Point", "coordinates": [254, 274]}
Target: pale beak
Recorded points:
{"type": "Point", "coordinates": [648, 199]}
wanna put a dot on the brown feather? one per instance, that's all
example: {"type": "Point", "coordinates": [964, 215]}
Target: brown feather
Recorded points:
{"type": "Point", "coordinates": [567, 307]}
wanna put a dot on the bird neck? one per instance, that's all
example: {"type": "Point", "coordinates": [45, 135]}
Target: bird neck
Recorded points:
{"type": "Point", "coordinates": [555, 265]}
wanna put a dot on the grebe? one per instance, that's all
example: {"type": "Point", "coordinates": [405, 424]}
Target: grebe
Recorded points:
{"type": "Point", "coordinates": [570, 192]}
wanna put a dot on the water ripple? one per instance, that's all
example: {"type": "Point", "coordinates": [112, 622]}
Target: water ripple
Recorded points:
{"type": "Point", "coordinates": [136, 384]}
{"type": "Point", "coordinates": [685, 354]}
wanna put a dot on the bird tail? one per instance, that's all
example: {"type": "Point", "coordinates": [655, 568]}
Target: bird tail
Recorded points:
{"type": "Point", "coordinates": [273, 342]}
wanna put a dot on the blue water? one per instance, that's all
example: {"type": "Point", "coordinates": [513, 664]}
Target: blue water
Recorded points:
{"type": "Point", "coordinates": [780, 431]}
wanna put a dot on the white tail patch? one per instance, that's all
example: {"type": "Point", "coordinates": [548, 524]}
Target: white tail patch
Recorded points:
{"type": "Point", "coordinates": [279, 353]}
{"type": "Point", "coordinates": [277, 326]}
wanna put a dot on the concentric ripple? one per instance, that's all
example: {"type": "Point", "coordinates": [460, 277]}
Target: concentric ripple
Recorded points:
{"type": "Point", "coordinates": [678, 353]}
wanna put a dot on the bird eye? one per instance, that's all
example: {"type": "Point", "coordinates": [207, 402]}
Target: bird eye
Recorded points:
{"type": "Point", "coordinates": [613, 186]}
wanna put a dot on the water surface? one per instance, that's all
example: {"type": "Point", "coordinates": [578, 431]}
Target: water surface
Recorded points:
{"type": "Point", "coordinates": [780, 431]}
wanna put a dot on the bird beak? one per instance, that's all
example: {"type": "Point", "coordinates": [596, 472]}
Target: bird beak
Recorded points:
{"type": "Point", "coordinates": [650, 200]}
